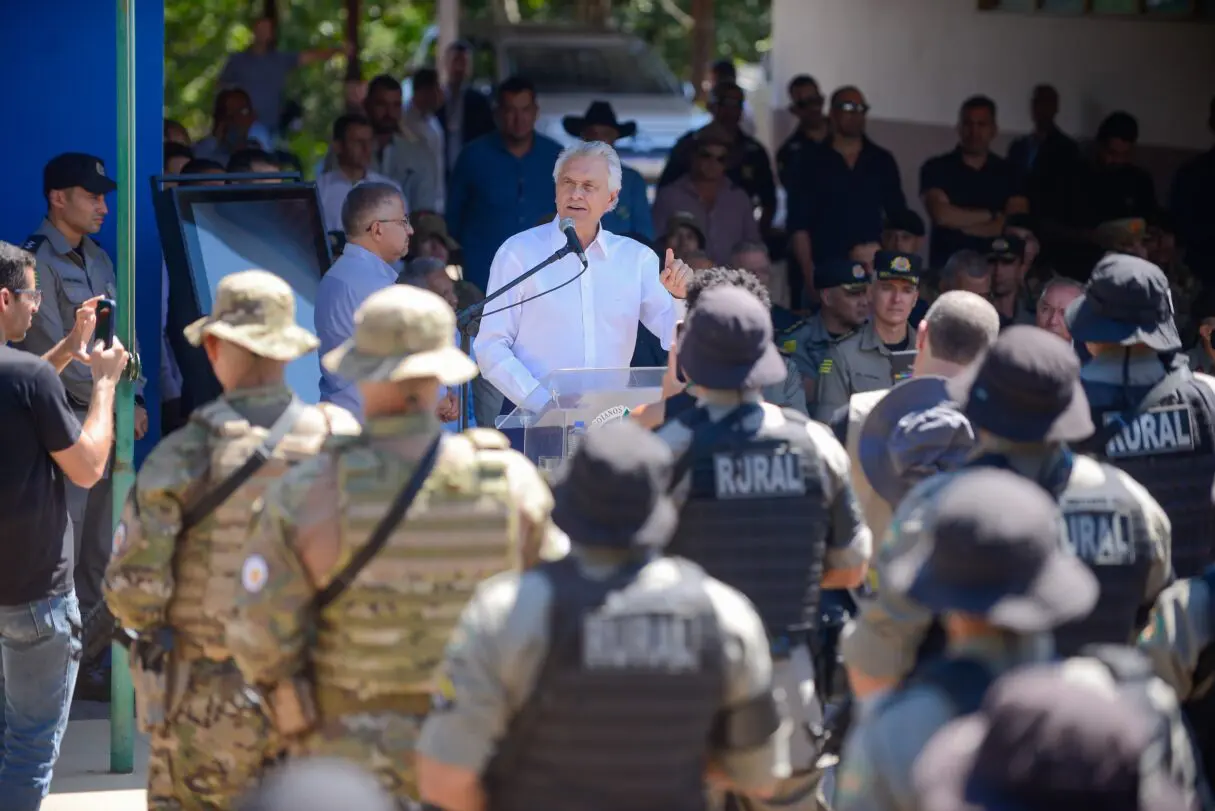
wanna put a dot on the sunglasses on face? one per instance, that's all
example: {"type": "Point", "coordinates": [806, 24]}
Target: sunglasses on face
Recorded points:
{"type": "Point", "coordinates": [719, 157]}
{"type": "Point", "coordinates": [852, 107]}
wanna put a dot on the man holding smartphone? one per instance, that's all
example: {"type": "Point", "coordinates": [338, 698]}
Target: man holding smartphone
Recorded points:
{"type": "Point", "coordinates": [71, 270]}
{"type": "Point", "coordinates": [46, 448]}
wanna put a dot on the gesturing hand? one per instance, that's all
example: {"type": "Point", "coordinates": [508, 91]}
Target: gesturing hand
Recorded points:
{"type": "Point", "coordinates": [675, 275]}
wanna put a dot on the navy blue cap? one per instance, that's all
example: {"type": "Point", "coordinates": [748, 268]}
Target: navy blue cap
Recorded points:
{"type": "Point", "coordinates": [905, 220]}
{"type": "Point", "coordinates": [893, 266]}
{"type": "Point", "coordinates": [839, 273]}
{"type": "Point", "coordinates": [1007, 246]}
{"type": "Point", "coordinates": [72, 169]}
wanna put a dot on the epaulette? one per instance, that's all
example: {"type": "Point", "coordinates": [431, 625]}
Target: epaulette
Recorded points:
{"type": "Point", "coordinates": [796, 325]}
{"type": "Point", "coordinates": [33, 243]}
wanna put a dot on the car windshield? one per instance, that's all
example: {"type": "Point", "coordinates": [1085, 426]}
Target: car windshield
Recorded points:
{"type": "Point", "coordinates": [578, 67]}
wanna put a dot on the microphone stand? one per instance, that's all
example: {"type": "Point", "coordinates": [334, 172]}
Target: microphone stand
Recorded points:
{"type": "Point", "coordinates": [465, 317]}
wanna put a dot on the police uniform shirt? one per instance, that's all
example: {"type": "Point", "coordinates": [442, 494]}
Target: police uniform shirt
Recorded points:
{"type": "Point", "coordinates": [67, 278]}
{"type": "Point", "coordinates": [875, 767]}
{"type": "Point", "coordinates": [791, 392]}
{"type": "Point", "coordinates": [1178, 633]}
{"type": "Point", "coordinates": [500, 644]}
{"type": "Point", "coordinates": [807, 342]}
{"type": "Point", "coordinates": [882, 642]}
{"type": "Point", "coordinates": [857, 363]}
{"type": "Point", "coordinates": [849, 543]}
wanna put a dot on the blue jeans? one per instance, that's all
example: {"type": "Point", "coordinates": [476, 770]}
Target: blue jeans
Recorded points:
{"type": "Point", "coordinates": [39, 656]}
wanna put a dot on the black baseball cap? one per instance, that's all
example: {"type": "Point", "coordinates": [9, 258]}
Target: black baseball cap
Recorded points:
{"type": "Point", "coordinates": [72, 169]}
{"type": "Point", "coordinates": [905, 220]}
{"type": "Point", "coordinates": [1006, 247]}
{"type": "Point", "coordinates": [894, 266]}
{"type": "Point", "coordinates": [839, 273]}
{"type": "Point", "coordinates": [1127, 301]}
{"type": "Point", "coordinates": [1026, 388]}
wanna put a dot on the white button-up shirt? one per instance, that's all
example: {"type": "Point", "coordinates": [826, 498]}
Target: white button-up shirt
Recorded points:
{"type": "Point", "coordinates": [332, 188]}
{"type": "Point", "coordinates": [590, 323]}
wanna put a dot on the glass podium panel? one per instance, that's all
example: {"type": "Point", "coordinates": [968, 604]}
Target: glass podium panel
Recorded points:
{"type": "Point", "coordinates": [580, 399]}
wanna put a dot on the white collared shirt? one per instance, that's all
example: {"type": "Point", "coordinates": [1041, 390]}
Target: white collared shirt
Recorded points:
{"type": "Point", "coordinates": [332, 188]}
{"type": "Point", "coordinates": [590, 323]}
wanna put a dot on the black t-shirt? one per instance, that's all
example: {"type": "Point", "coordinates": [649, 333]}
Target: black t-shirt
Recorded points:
{"type": "Point", "coordinates": [987, 188]}
{"type": "Point", "coordinates": [36, 536]}
{"type": "Point", "coordinates": [901, 346]}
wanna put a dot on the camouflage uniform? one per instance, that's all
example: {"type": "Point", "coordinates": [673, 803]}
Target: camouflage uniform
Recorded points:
{"type": "Point", "coordinates": [353, 679]}
{"type": "Point", "coordinates": [213, 741]}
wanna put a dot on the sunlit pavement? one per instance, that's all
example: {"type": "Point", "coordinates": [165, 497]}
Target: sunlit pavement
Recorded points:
{"type": "Point", "coordinates": [82, 780]}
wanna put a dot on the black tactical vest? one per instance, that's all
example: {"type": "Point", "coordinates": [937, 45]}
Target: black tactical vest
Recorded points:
{"type": "Point", "coordinates": [1200, 711]}
{"type": "Point", "coordinates": [755, 513]}
{"type": "Point", "coordinates": [624, 709]}
{"type": "Point", "coordinates": [1169, 448]}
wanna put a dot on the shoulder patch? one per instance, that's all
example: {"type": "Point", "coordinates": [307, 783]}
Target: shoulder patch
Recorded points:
{"type": "Point", "coordinates": [824, 368]}
{"type": "Point", "coordinates": [253, 573]}
{"type": "Point", "coordinates": [487, 439]}
{"type": "Point", "coordinates": [33, 243]}
{"type": "Point", "coordinates": [789, 346]}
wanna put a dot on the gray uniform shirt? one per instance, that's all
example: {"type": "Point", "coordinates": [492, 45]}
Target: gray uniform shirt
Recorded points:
{"type": "Point", "coordinates": [807, 342]}
{"type": "Point", "coordinates": [860, 362]}
{"type": "Point", "coordinates": [882, 642]}
{"type": "Point", "coordinates": [67, 279]}
{"type": "Point", "coordinates": [849, 543]}
{"type": "Point", "coordinates": [500, 644]}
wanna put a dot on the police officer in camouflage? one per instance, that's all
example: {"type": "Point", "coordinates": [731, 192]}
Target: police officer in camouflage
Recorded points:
{"type": "Point", "coordinates": [176, 551]}
{"type": "Point", "coordinates": [359, 561]}
{"type": "Point", "coordinates": [1025, 401]}
{"type": "Point", "coordinates": [988, 554]}
{"type": "Point", "coordinates": [1155, 416]}
{"type": "Point", "coordinates": [766, 500]}
{"type": "Point", "coordinates": [615, 678]}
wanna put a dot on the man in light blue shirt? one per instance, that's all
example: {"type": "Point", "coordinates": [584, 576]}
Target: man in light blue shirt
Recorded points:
{"type": "Point", "coordinates": [377, 235]}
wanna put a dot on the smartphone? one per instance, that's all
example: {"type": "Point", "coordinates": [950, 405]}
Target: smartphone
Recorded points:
{"type": "Point", "coordinates": [105, 322]}
{"type": "Point", "coordinates": [901, 363]}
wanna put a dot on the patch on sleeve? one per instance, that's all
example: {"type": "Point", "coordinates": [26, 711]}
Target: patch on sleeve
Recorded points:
{"type": "Point", "coordinates": [120, 537]}
{"type": "Point", "coordinates": [789, 346]}
{"type": "Point", "coordinates": [443, 699]}
{"type": "Point", "coordinates": [825, 367]}
{"type": "Point", "coordinates": [253, 574]}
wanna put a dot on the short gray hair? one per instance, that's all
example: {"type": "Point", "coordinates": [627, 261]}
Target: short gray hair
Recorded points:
{"type": "Point", "coordinates": [417, 270]}
{"type": "Point", "coordinates": [963, 263]}
{"type": "Point", "coordinates": [363, 203]}
{"type": "Point", "coordinates": [1060, 281]}
{"type": "Point", "coordinates": [961, 326]}
{"type": "Point", "coordinates": [592, 149]}
{"type": "Point", "coordinates": [749, 247]}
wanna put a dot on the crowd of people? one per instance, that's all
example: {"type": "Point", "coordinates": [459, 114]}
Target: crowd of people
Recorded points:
{"type": "Point", "coordinates": [921, 519]}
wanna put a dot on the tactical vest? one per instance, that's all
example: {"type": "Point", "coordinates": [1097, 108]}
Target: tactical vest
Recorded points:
{"type": "Point", "coordinates": [207, 558]}
{"type": "Point", "coordinates": [1170, 450]}
{"type": "Point", "coordinates": [378, 644]}
{"type": "Point", "coordinates": [876, 509]}
{"type": "Point", "coordinates": [622, 713]}
{"type": "Point", "coordinates": [1200, 711]}
{"type": "Point", "coordinates": [755, 513]}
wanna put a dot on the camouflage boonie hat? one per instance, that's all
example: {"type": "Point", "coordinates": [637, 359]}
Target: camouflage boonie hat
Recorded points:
{"type": "Point", "coordinates": [255, 310]}
{"type": "Point", "coordinates": [400, 333]}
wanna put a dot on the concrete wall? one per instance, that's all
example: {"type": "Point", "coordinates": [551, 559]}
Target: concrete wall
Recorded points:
{"type": "Point", "coordinates": [916, 60]}
{"type": "Point", "coordinates": [59, 84]}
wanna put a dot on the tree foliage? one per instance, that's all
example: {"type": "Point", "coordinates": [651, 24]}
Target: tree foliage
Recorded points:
{"type": "Point", "coordinates": [199, 34]}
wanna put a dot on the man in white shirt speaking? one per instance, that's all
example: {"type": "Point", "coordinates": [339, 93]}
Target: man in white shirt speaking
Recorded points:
{"type": "Point", "coordinates": [562, 317]}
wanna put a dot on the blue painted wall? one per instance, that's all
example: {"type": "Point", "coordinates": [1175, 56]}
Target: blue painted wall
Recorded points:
{"type": "Point", "coordinates": [59, 84]}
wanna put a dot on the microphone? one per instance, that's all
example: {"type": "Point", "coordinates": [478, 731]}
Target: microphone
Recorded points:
{"type": "Point", "coordinates": [571, 235]}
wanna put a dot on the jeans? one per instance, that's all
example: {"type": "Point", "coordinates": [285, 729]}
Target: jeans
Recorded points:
{"type": "Point", "coordinates": [39, 652]}
{"type": "Point", "coordinates": [91, 511]}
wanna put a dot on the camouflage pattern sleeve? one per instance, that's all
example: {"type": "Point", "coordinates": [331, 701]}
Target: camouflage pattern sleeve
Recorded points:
{"type": "Point", "coordinates": [268, 636]}
{"type": "Point", "coordinates": [1179, 632]}
{"type": "Point", "coordinates": [139, 578]}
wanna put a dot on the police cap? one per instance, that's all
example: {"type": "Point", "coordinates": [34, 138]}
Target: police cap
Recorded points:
{"type": "Point", "coordinates": [892, 266]}
{"type": "Point", "coordinates": [1009, 248]}
{"type": "Point", "coordinates": [76, 169]}
{"type": "Point", "coordinates": [905, 220]}
{"type": "Point", "coordinates": [840, 273]}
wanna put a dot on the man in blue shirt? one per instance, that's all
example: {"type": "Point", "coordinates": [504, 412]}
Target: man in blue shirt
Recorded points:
{"type": "Point", "coordinates": [377, 235]}
{"type": "Point", "coordinates": [503, 182]}
{"type": "Point", "coordinates": [631, 217]}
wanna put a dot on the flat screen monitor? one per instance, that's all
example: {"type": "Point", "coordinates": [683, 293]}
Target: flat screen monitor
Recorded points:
{"type": "Point", "coordinates": [227, 229]}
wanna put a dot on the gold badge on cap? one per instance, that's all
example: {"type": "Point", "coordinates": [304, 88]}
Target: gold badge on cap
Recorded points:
{"type": "Point", "coordinates": [1000, 245]}
{"type": "Point", "coordinates": [901, 264]}
{"type": "Point", "coordinates": [858, 271]}
{"type": "Point", "coordinates": [100, 169]}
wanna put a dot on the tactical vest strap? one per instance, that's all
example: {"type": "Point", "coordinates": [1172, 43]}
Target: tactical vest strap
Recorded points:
{"type": "Point", "coordinates": [210, 501]}
{"type": "Point", "coordinates": [746, 725]}
{"type": "Point", "coordinates": [963, 681]}
{"type": "Point", "coordinates": [705, 435]}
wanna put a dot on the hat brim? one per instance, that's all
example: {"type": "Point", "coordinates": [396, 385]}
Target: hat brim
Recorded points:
{"type": "Point", "coordinates": [908, 397]}
{"type": "Point", "coordinates": [1004, 419]}
{"type": "Point", "coordinates": [655, 531]}
{"type": "Point", "coordinates": [766, 370]}
{"type": "Point", "coordinates": [575, 124]}
{"type": "Point", "coordinates": [283, 344]}
{"type": "Point", "coordinates": [99, 184]}
{"type": "Point", "coordinates": [1087, 326]}
{"type": "Point", "coordinates": [448, 365]}
{"type": "Point", "coordinates": [1062, 591]}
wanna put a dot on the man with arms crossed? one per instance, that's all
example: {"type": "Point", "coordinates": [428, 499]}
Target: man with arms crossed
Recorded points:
{"type": "Point", "coordinates": [574, 319]}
